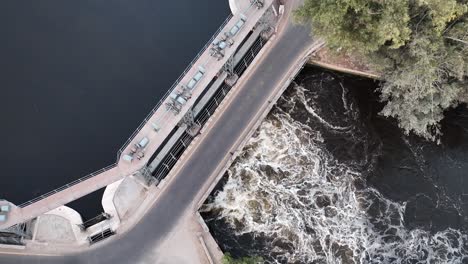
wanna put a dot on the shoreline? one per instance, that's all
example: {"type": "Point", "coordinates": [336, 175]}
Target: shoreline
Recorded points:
{"type": "Point", "coordinates": [343, 63]}
{"type": "Point", "coordinates": [336, 67]}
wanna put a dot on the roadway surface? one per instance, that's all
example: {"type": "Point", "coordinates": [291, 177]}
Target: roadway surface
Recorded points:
{"type": "Point", "coordinates": [178, 198]}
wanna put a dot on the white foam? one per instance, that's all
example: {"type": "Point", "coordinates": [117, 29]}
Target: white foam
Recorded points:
{"type": "Point", "coordinates": [272, 189]}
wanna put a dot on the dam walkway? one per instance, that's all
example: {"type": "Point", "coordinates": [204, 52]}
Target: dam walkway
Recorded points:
{"type": "Point", "coordinates": [169, 113]}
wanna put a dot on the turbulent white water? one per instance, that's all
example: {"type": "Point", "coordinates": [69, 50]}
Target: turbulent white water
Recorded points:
{"type": "Point", "coordinates": [289, 189]}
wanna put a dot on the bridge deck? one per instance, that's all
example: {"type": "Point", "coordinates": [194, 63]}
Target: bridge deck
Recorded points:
{"type": "Point", "coordinates": [165, 120]}
{"type": "Point", "coordinates": [19, 215]}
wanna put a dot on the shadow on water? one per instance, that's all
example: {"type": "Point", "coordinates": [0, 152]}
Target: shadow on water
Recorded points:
{"type": "Point", "coordinates": [89, 206]}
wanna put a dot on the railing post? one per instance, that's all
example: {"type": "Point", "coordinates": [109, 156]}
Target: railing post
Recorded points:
{"type": "Point", "coordinates": [66, 186]}
{"type": "Point", "coordinates": [120, 151]}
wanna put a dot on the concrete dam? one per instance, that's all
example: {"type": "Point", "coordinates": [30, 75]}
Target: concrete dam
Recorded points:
{"type": "Point", "coordinates": [173, 160]}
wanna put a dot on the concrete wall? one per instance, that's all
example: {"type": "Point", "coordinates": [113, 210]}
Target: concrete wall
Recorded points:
{"type": "Point", "coordinates": [128, 197]}
{"type": "Point", "coordinates": [233, 6]}
{"type": "Point", "coordinates": [108, 203]}
{"type": "Point", "coordinates": [58, 226]}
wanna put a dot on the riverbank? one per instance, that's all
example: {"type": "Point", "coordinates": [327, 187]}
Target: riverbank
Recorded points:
{"type": "Point", "coordinates": [324, 58]}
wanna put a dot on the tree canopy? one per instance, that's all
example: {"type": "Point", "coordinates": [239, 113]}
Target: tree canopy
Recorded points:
{"type": "Point", "coordinates": [420, 46]}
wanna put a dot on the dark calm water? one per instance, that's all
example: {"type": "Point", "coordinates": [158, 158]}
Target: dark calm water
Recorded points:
{"type": "Point", "coordinates": [77, 77]}
{"type": "Point", "coordinates": [327, 180]}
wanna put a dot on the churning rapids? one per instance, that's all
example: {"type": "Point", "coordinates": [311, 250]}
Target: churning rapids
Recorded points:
{"type": "Point", "coordinates": [326, 180]}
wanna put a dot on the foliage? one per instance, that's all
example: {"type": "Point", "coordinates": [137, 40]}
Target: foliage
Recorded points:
{"type": "Point", "coordinates": [420, 46]}
{"type": "Point", "coordinates": [358, 25]}
{"type": "Point", "coordinates": [228, 259]}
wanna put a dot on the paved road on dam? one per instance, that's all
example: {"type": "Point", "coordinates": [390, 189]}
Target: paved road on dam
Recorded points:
{"type": "Point", "coordinates": [134, 245]}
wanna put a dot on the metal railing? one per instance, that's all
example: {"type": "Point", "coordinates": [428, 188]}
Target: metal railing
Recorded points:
{"type": "Point", "coordinates": [101, 236]}
{"type": "Point", "coordinates": [95, 220]}
{"type": "Point", "coordinates": [176, 151]}
{"type": "Point", "coordinates": [66, 186]}
{"type": "Point", "coordinates": [145, 121]}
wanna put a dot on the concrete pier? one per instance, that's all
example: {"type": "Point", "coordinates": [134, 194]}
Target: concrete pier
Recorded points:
{"type": "Point", "coordinates": [165, 120]}
{"type": "Point", "coordinates": [19, 215]}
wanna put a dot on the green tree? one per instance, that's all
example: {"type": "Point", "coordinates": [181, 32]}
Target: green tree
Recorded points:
{"type": "Point", "coordinates": [429, 77]}
{"type": "Point", "coordinates": [429, 73]}
{"type": "Point", "coordinates": [358, 25]}
{"type": "Point", "coordinates": [228, 259]}
{"type": "Point", "coordinates": [420, 46]}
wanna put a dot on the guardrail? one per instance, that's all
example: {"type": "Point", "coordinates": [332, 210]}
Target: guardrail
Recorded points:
{"type": "Point", "coordinates": [95, 220]}
{"type": "Point", "coordinates": [145, 121]}
{"type": "Point", "coordinates": [66, 186]}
